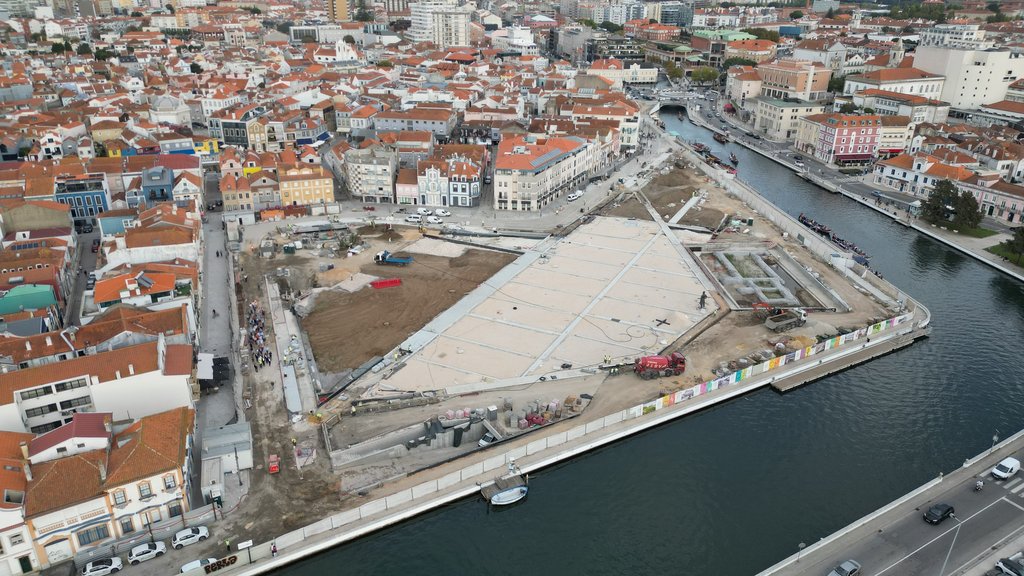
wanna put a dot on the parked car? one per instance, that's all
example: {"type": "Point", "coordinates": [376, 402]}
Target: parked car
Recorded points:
{"type": "Point", "coordinates": [103, 567]}
{"type": "Point", "coordinates": [936, 514]}
{"type": "Point", "coordinates": [848, 568]}
{"type": "Point", "coordinates": [146, 551]}
{"type": "Point", "coordinates": [442, 212]}
{"type": "Point", "coordinates": [197, 564]}
{"type": "Point", "coordinates": [1006, 469]}
{"type": "Point", "coordinates": [487, 440]}
{"type": "Point", "coordinates": [415, 218]}
{"type": "Point", "coordinates": [86, 228]}
{"type": "Point", "coordinates": [90, 283]}
{"type": "Point", "coordinates": [1013, 566]}
{"type": "Point", "coordinates": [434, 220]}
{"type": "Point", "coordinates": [574, 196]}
{"type": "Point", "coordinates": [95, 244]}
{"type": "Point", "coordinates": [798, 157]}
{"type": "Point", "coordinates": [220, 202]}
{"type": "Point", "coordinates": [189, 536]}
{"type": "Point", "coordinates": [424, 211]}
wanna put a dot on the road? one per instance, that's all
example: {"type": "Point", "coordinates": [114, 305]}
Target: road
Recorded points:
{"type": "Point", "coordinates": [87, 262]}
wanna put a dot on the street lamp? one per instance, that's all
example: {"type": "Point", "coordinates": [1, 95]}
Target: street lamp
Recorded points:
{"type": "Point", "coordinates": [800, 550]}
{"type": "Point", "coordinates": [951, 544]}
{"type": "Point", "coordinates": [995, 439]}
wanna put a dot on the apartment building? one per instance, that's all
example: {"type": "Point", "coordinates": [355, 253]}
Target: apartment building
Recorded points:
{"type": "Point", "coordinates": [973, 78]}
{"type": "Point", "coordinates": [800, 79]}
{"type": "Point", "coordinates": [840, 138]}
{"type": "Point", "coordinates": [962, 36]}
{"type": "Point", "coordinates": [88, 195]}
{"type": "Point", "coordinates": [530, 172]}
{"type": "Point", "coordinates": [130, 382]}
{"type": "Point", "coordinates": [87, 485]}
{"type": "Point", "coordinates": [305, 184]}
{"type": "Point", "coordinates": [442, 22]}
{"type": "Point", "coordinates": [440, 121]}
{"type": "Point", "coordinates": [755, 50]}
{"type": "Point", "coordinates": [912, 81]}
{"type": "Point", "coordinates": [780, 119]}
{"type": "Point", "coordinates": [371, 172]}
{"type": "Point", "coordinates": [619, 73]}
{"type": "Point", "coordinates": [917, 174]}
{"type": "Point", "coordinates": [918, 108]}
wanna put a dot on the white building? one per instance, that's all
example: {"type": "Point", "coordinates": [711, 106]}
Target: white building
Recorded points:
{"type": "Point", "coordinates": [530, 172]}
{"type": "Point", "coordinates": [973, 77]}
{"type": "Point", "coordinates": [914, 81]}
{"type": "Point", "coordinates": [616, 70]}
{"type": "Point", "coordinates": [440, 21]}
{"type": "Point", "coordinates": [17, 554]}
{"type": "Point", "coordinates": [129, 382]}
{"type": "Point", "coordinates": [370, 173]}
{"type": "Point", "coordinates": [966, 36]}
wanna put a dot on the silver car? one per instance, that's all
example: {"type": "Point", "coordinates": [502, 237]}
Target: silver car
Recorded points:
{"type": "Point", "coordinates": [848, 568]}
{"type": "Point", "coordinates": [189, 536]}
{"type": "Point", "coordinates": [146, 551]}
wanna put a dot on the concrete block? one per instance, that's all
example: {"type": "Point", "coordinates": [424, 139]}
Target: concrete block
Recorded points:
{"type": "Point", "coordinates": [371, 508]}
{"type": "Point", "coordinates": [494, 462]}
{"type": "Point", "coordinates": [290, 539]}
{"type": "Point", "coordinates": [421, 490]}
{"type": "Point", "coordinates": [343, 518]}
{"type": "Point", "coordinates": [612, 419]}
{"type": "Point", "coordinates": [594, 426]}
{"type": "Point", "coordinates": [449, 480]}
{"type": "Point", "coordinates": [398, 499]}
{"type": "Point", "coordinates": [317, 527]}
{"type": "Point", "coordinates": [517, 452]}
{"type": "Point", "coordinates": [576, 432]}
{"type": "Point", "coordinates": [556, 439]}
{"type": "Point", "coordinates": [472, 471]}
{"type": "Point", "coordinates": [536, 446]}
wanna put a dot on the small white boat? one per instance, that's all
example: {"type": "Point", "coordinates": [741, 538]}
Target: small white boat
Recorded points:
{"type": "Point", "coordinates": [509, 496]}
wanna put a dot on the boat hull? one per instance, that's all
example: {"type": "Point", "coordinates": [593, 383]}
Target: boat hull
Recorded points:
{"type": "Point", "coordinates": [510, 496]}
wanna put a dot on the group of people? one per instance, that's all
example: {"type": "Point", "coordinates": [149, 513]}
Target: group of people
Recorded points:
{"type": "Point", "coordinates": [260, 352]}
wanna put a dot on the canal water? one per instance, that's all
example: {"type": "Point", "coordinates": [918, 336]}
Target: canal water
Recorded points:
{"type": "Point", "coordinates": [735, 489]}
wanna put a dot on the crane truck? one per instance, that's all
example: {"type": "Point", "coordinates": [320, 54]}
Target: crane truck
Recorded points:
{"type": "Point", "coordinates": [650, 367]}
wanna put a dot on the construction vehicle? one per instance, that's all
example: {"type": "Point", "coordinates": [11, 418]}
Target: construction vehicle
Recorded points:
{"type": "Point", "coordinates": [385, 257]}
{"type": "Point", "coordinates": [650, 367]}
{"type": "Point", "coordinates": [764, 310]}
{"type": "Point", "coordinates": [786, 320]}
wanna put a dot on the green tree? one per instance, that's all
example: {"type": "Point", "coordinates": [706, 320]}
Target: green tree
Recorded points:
{"type": "Point", "coordinates": [869, 110]}
{"type": "Point", "coordinates": [385, 64]}
{"type": "Point", "coordinates": [672, 71]}
{"type": "Point", "coordinates": [588, 23]}
{"type": "Point", "coordinates": [136, 14]}
{"type": "Point", "coordinates": [993, 7]}
{"type": "Point", "coordinates": [1016, 243]}
{"type": "Point", "coordinates": [610, 26]}
{"type": "Point", "coordinates": [57, 48]}
{"type": "Point", "coordinates": [103, 54]}
{"type": "Point", "coordinates": [401, 25]}
{"type": "Point", "coordinates": [253, 10]}
{"type": "Point", "coordinates": [836, 84]}
{"type": "Point", "coordinates": [284, 27]}
{"type": "Point", "coordinates": [796, 15]}
{"type": "Point", "coordinates": [704, 75]}
{"type": "Point", "coordinates": [763, 34]}
{"type": "Point", "coordinates": [169, 8]}
{"type": "Point", "coordinates": [195, 68]}
{"type": "Point", "coordinates": [940, 202]}
{"type": "Point", "coordinates": [38, 37]}
{"type": "Point", "coordinates": [348, 39]}
{"type": "Point", "coordinates": [737, 61]}
{"type": "Point", "coordinates": [848, 108]}
{"type": "Point", "coordinates": [968, 212]}
{"type": "Point", "coordinates": [84, 49]}
{"type": "Point", "coordinates": [830, 14]}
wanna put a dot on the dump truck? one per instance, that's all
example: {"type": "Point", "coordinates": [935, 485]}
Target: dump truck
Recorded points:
{"type": "Point", "coordinates": [649, 367]}
{"type": "Point", "coordinates": [384, 257]}
{"type": "Point", "coordinates": [786, 320]}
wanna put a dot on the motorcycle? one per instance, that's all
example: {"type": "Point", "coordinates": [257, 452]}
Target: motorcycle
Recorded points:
{"type": "Point", "coordinates": [979, 485]}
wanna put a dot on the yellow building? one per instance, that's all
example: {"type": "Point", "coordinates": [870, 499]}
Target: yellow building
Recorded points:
{"type": "Point", "coordinates": [305, 184]}
{"type": "Point", "coordinates": [204, 145]}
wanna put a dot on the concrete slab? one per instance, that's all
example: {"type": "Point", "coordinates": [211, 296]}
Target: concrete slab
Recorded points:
{"type": "Point", "coordinates": [501, 336]}
{"type": "Point", "coordinates": [521, 314]}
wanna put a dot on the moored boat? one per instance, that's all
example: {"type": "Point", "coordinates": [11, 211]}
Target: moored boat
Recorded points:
{"type": "Point", "coordinates": [509, 496]}
{"type": "Point", "coordinates": [733, 158]}
{"type": "Point", "coordinates": [722, 138]}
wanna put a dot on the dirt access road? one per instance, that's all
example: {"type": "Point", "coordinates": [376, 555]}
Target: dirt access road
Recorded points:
{"type": "Point", "coordinates": [347, 329]}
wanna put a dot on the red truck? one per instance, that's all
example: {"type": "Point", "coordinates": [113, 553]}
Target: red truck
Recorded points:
{"type": "Point", "coordinates": [649, 367]}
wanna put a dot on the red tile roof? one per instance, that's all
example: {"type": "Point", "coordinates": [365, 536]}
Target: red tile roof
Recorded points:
{"type": "Point", "coordinates": [83, 425]}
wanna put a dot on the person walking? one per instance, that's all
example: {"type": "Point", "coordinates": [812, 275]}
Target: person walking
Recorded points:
{"type": "Point", "coordinates": [273, 549]}
{"type": "Point", "coordinates": [227, 544]}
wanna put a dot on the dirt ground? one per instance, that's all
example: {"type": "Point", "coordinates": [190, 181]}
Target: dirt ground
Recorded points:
{"type": "Point", "coordinates": [667, 193]}
{"type": "Point", "coordinates": [347, 329]}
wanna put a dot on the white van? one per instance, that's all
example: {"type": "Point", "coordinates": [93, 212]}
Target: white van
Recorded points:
{"type": "Point", "coordinates": [414, 218]}
{"type": "Point", "coordinates": [1006, 469]}
{"type": "Point", "coordinates": [575, 196]}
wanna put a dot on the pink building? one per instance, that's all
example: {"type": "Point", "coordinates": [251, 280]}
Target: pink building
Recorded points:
{"type": "Point", "coordinates": [840, 138]}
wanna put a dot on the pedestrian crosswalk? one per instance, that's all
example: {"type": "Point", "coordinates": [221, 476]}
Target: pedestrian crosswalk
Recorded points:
{"type": "Point", "coordinates": [1010, 484]}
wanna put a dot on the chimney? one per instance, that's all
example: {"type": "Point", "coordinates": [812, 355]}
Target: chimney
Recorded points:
{"type": "Point", "coordinates": [28, 345]}
{"type": "Point", "coordinates": [24, 450]}
{"type": "Point", "coordinates": [131, 369]}
{"type": "Point", "coordinates": [28, 471]}
{"type": "Point", "coordinates": [103, 470]}
{"type": "Point", "coordinates": [49, 341]}
{"type": "Point", "coordinates": [106, 424]}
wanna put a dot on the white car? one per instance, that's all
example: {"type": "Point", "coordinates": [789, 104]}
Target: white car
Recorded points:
{"type": "Point", "coordinates": [442, 212]}
{"type": "Point", "coordinates": [189, 536]}
{"type": "Point", "coordinates": [103, 567]}
{"type": "Point", "coordinates": [1006, 469]}
{"type": "Point", "coordinates": [146, 551]}
{"type": "Point", "coordinates": [574, 196]}
{"type": "Point", "coordinates": [434, 220]}
{"type": "Point", "coordinates": [424, 211]}
{"type": "Point", "coordinates": [196, 564]}
{"type": "Point", "coordinates": [415, 218]}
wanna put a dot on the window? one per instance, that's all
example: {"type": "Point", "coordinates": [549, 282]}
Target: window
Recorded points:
{"type": "Point", "coordinates": [127, 526]}
{"type": "Point", "coordinates": [32, 412]}
{"type": "Point", "coordinates": [86, 537]}
{"type": "Point", "coordinates": [145, 490]}
{"type": "Point", "coordinates": [14, 496]}
{"type": "Point", "coordinates": [36, 393]}
{"type": "Point", "coordinates": [75, 402]}
{"type": "Point", "coordinates": [151, 517]}
{"type": "Point", "coordinates": [169, 482]}
{"type": "Point", "coordinates": [71, 385]}
{"type": "Point", "coordinates": [119, 497]}
{"type": "Point", "coordinates": [17, 539]}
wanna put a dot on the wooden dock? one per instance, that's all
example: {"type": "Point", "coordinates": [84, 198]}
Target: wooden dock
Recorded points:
{"type": "Point", "coordinates": [502, 483]}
